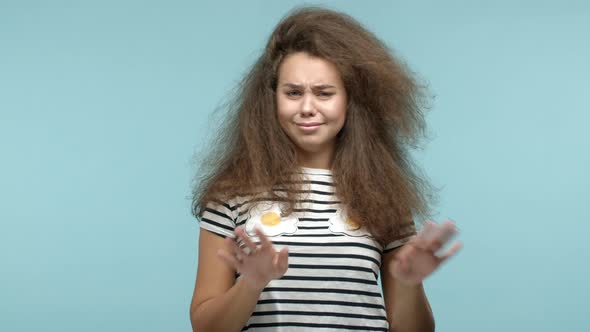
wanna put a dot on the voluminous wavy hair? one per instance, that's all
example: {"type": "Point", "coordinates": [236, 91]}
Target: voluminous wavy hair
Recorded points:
{"type": "Point", "coordinates": [372, 169]}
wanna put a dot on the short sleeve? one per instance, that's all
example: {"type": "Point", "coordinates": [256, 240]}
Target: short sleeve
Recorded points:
{"type": "Point", "coordinates": [219, 218]}
{"type": "Point", "coordinates": [408, 233]}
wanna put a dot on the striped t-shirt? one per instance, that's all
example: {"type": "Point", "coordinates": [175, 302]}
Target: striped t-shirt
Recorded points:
{"type": "Point", "coordinates": [331, 283]}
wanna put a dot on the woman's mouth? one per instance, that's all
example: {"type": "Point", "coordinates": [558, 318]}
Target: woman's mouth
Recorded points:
{"type": "Point", "coordinates": [309, 126]}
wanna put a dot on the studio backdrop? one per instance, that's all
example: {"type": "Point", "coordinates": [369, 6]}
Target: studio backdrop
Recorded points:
{"type": "Point", "coordinates": [106, 107]}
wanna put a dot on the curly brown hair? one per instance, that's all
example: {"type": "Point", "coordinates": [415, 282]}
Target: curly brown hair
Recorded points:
{"type": "Point", "coordinates": [373, 172]}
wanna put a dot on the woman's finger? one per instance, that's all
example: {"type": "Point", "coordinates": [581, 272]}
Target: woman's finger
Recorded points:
{"type": "Point", "coordinates": [452, 251]}
{"type": "Point", "coordinates": [241, 234]}
{"type": "Point", "coordinates": [429, 228]}
{"type": "Point", "coordinates": [282, 261]}
{"type": "Point", "coordinates": [444, 234]}
{"type": "Point", "coordinates": [229, 259]}
{"type": "Point", "coordinates": [447, 231]}
{"type": "Point", "coordinates": [265, 242]}
{"type": "Point", "coordinates": [231, 246]}
{"type": "Point", "coordinates": [425, 235]}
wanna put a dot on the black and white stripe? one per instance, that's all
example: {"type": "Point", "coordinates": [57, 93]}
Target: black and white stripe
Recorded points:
{"type": "Point", "coordinates": [331, 283]}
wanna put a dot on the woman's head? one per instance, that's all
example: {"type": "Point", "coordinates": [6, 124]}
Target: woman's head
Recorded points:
{"type": "Point", "coordinates": [374, 81]}
{"type": "Point", "coordinates": [323, 66]}
{"type": "Point", "coordinates": [311, 106]}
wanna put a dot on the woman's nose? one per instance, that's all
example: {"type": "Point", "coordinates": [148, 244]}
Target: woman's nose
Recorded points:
{"type": "Point", "coordinates": [307, 106]}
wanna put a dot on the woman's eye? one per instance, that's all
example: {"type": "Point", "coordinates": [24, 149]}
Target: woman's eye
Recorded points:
{"type": "Point", "coordinates": [325, 94]}
{"type": "Point", "coordinates": [293, 93]}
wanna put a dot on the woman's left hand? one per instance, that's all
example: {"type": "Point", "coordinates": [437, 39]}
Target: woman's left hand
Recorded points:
{"type": "Point", "coordinates": [418, 258]}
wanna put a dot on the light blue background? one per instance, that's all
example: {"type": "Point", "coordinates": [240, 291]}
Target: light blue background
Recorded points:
{"type": "Point", "coordinates": [104, 103]}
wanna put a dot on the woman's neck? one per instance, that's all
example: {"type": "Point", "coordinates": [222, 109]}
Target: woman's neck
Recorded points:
{"type": "Point", "coordinates": [320, 160]}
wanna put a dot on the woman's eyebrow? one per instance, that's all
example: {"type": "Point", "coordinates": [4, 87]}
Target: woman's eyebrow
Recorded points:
{"type": "Point", "coordinates": [300, 86]}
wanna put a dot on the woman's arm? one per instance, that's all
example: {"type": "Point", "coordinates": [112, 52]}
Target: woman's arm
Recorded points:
{"type": "Point", "coordinates": [407, 306]}
{"type": "Point", "coordinates": [218, 304]}
{"type": "Point", "coordinates": [403, 271]}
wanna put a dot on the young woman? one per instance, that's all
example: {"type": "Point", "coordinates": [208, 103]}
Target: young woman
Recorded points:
{"type": "Point", "coordinates": [311, 195]}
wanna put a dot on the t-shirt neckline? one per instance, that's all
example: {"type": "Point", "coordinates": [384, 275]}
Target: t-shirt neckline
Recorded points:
{"type": "Point", "coordinates": [311, 170]}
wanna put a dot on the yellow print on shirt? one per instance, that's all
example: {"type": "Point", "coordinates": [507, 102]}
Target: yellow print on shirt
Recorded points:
{"type": "Point", "coordinates": [341, 223]}
{"type": "Point", "coordinates": [268, 217]}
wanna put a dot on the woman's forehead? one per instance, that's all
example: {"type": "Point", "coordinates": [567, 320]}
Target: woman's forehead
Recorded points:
{"type": "Point", "coordinates": [306, 70]}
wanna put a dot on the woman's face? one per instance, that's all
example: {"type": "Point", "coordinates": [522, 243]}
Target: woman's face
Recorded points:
{"type": "Point", "coordinates": [311, 104]}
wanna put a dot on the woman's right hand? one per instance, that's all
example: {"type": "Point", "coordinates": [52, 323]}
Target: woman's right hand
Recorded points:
{"type": "Point", "coordinates": [257, 264]}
